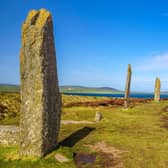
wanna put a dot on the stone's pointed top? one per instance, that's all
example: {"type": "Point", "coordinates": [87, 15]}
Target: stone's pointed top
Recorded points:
{"type": "Point", "coordinates": [157, 79]}
{"type": "Point", "coordinates": [129, 68]}
{"type": "Point", "coordinates": [31, 14]}
{"type": "Point", "coordinates": [157, 82]}
{"type": "Point", "coordinates": [37, 18]}
{"type": "Point", "coordinates": [44, 15]}
{"type": "Point", "coordinates": [43, 10]}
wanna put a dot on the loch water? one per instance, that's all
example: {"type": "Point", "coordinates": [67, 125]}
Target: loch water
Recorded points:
{"type": "Point", "coordinates": [119, 95]}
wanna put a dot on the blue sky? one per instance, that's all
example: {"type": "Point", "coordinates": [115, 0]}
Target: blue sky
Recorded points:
{"type": "Point", "coordinates": [95, 41]}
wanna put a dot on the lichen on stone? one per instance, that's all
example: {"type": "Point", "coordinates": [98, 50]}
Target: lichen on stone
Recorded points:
{"type": "Point", "coordinates": [157, 90]}
{"type": "Point", "coordinates": [40, 98]}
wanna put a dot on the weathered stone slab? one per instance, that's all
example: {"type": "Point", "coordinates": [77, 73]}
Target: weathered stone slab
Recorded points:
{"type": "Point", "coordinates": [40, 97]}
{"type": "Point", "coordinates": [157, 90]}
{"type": "Point", "coordinates": [127, 86]}
{"type": "Point", "coordinates": [98, 116]}
{"type": "Point", "coordinates": [9, 135]}
{"type": "Point", "coordinates": [61, 158]}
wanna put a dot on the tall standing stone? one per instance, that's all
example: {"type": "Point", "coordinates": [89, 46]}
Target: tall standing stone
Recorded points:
{"type": "Point", "coordinates": [157, 90]}
{"type": "Point", "coordinates": [40, 97]}
{"type": "Point", "coordinates": [127, 86]}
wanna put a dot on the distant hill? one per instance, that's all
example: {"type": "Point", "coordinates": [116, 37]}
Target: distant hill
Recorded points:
{"type": "Point", "coordinates": [83, 89]}
{"type": "Point", "coordinates": [9, 88]}
{"type": "Point", "coordinates": [64, 89]}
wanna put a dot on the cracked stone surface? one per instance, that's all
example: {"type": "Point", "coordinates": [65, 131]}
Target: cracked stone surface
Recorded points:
{"type": "Point", "coordinates": [40, 97]}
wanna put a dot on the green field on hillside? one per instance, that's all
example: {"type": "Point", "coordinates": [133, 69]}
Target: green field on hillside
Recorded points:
{"type": "Point", "coordinates": [9, 88]}
{"type": "Point", "coordinates": [80, 89]}
{"type": "Point", "coordinates": [65, 89]}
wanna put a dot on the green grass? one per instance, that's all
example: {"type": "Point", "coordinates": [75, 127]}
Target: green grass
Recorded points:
{"type": "Point", "coordinates": [139, 131]}
{"type": "Point", "coordinates": [9, 158]}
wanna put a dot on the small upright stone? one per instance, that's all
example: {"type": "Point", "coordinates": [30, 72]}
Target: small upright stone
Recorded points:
{"type": "Point", "coordinates": [40, 97]}
{"type": "Point", "coordinates": [127, 87]}
{"type": "Point", "coordinates": [157, 90]}
{"type": "Point", "coordinates": [98, 116]}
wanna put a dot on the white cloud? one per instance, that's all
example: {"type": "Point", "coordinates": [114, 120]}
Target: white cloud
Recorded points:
{"type": "Point", "coordinates": [154, 63]}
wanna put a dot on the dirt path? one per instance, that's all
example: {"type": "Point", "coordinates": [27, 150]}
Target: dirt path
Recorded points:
{"type": "Point", "coordinates": [76, 122]}
{"type": "Point", "coordinates": [110, 156]}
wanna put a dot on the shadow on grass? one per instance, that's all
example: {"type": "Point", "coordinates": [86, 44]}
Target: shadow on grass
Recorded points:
{"type": "Point", "coordinates": [76, 136]}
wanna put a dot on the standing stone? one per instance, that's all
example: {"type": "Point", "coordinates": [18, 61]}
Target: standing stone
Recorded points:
{"type": "Point", "coordinates": [127, 87]}
{"type": "Point", "coordinates": [40, 97]}
{"type": "Point", "coordinates": [98, 116]}
{"type": "Point", "coordinates": [157, 90]}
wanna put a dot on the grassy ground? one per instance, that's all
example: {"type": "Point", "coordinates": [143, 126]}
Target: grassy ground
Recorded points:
{"type": "Point", "coordinates": [140, 132]}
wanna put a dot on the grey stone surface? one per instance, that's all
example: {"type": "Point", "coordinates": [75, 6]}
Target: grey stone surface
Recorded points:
{"type": "Point", "coordinates": [9, 135]}
{"type": "Point", "coordinates": [98, 116]}
{"type": "Point", "coordinates": [157, 90]}
{"type": "Point", "coordinates": [127, 86]}
{"type": "Point", "coordinates": [40, 97]}
{"type": "Point", "coordinates": [61, 158]}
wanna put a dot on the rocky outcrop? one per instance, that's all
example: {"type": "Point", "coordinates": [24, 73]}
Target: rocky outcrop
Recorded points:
{"type": "Point", "coordinates": [40, 97]}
